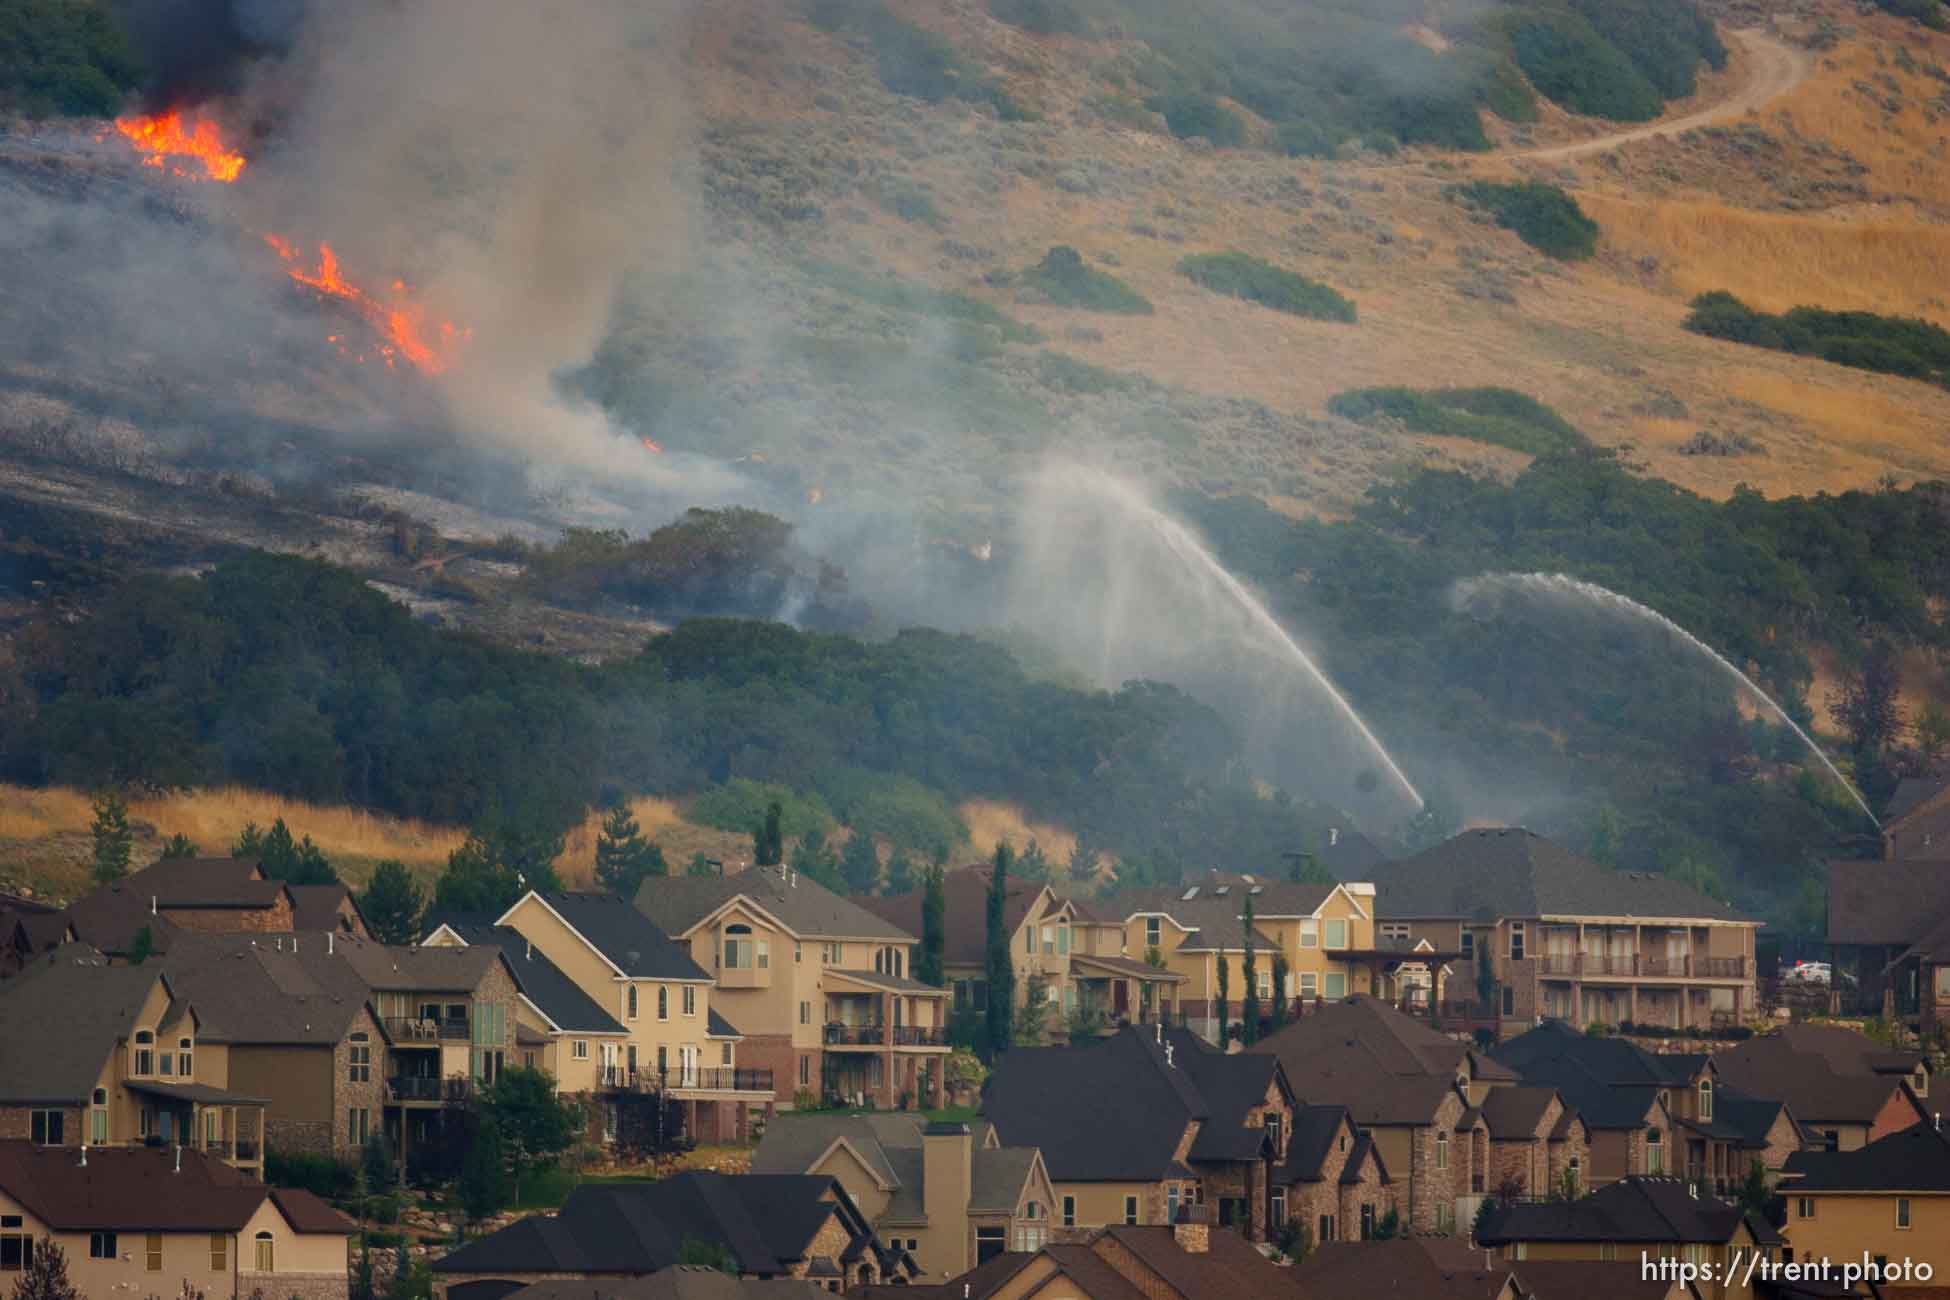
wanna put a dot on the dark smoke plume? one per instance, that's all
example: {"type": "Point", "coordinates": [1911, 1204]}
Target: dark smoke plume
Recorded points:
{"type": "Point", "coordinates": [193, 50]}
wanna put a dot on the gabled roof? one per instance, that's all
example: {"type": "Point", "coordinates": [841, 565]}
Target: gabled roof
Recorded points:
{"type": "Point", "coordinates": [1483, 875]}
{"type": "Point", "coordinates": [1613, 1083]}
{"type": "Point", "coordinates": [541, 981]}
{"type": "Point", "coordinates": [1845, 1051]}
{"type": "Point", "coordinates": [1515, 1113]}
{"type": "Point", "coordinates": [1911, 793]}
{"type": "Point", "coordinates": [1636, 1209]}
{"type": "Point", "coordinates": [155, 1189]}
{"type": "Point", "coordinates": [395, 968]}
{"type": "Point", "coordinates": [803, 906]}
{"type": "Point", "coordinates": [1801, 1070]}
{"type": "Point", "coordinates": [890, 1145]}
{"type": "Point", "coordinates": [62, 1017]}
{"type": "Point", "coordinates": [1917, 1159]}
{"type": "Point", "coordinates": [1213, 907]}
{"type": "Point", "coordinates": [767, 1221]}
{"type": "Point", "coordinates": [964, 912]}
{"type": "Point", "coordinates": [1892, 902]}
{"type": "Point", "coordinates": [267, 989]}
{"type": "Point", "coordinates": [1403, 1266]}
{"type": "Point", "coordinates": [681, 1282]}
{"type": "Point", "coordinates": [624, 937]}
{"type": "Point", "coordinates": [1387, 1068]}
{"type": "Point", "coordinates": [318, 907]}
{"type": "Point", "coordinates": [1229, 1266]}
{"type": "Point", "coordinates": [1315, 1130]}
{"type": "Point", "coordinates": [1592, 1279]}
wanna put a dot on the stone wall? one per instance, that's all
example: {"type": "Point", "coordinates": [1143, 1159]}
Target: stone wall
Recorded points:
{"type": "Point", "coordinates": [369, 1093]}
{"type": "Point", "coordinates": [1434, 1191]}
{"type": "Point", "coordinates": [275, 919]}
{"type": "Point", "coordinates": [293, 1286]}
{"type": "Point", "coordinates": [312, 1137]}
{"type": "Point", "coordinates": [1368, 1189]}
{"type": "Point", "coordinates": [1137, 1273]}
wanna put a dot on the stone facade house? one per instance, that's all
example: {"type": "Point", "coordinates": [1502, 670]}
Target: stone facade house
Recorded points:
{"type": "Point", "coordinates": [1136, 1126]}
{"type": "Point", "coordinates": [1333, 1181]}
{"type": "Point", "coordinates": [1538, 1145]}
{"type": "Point", "coordinates": [153, 1221]}
{"type": "Point", "coordinates": [769, 1225]}
{"type": "Point", "coordinates": [948, 1194]}
{"type": "Point", "coordinates": [1843, 1089]}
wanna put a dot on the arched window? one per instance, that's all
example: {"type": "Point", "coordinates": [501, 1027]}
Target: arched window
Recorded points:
{"type": "Point", "coordinates": [145, 1052]}
{"type": "Point", "coordinates": [266, 1255]}
{"type": "Point", "coordinates": [1705, 1100]}
{"type": "Point", "coordinates": [630, 998]}
{"type": "Point", "coordinates": [100, 1097]}
{"type": "Point", "coordinates": [663, 1001]}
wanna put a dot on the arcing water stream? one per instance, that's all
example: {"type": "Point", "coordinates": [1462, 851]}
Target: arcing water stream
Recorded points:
{"type": "Point", "coordinates": [1559, 586]}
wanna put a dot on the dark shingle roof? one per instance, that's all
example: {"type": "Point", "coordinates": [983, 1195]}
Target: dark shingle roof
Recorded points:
{"type": "Point", "coordinates": [716, 1026]}
{"type": "Point", "coordinates": [1776, 1065]}
{"type": "Point", "coordinates": [1315, 1129]}
{"type": "Point", "coordinates": [1589, 1279]}
{"type": "Point", "coordinates": [1886, 902]}
{"type": "Point", "coordinates": [62, 1019]}
{"type": "Point", "coordinates": [964, 913]}
{"type": "Point", "coordinates": [1230, 1265]}
{"type": "Point", "coordinates": [1217, 919]}
{"type": "Point", "coordinates": [317, 907]}
{"type": "Point", "coordinates": [683, 1282]}
{"type": "Point", "coordinates": [1911, 793]}
{"type": "Point", "coordinates": [1514, 1113]}
{"type": "Point", "coordinates": [891, 1145]}
{"type": "Point", "coordinates": [1634, 1209]}
{"type": "Point", "coordinates": [399, 969]}
{"type": "Point", "coordinates": [542, 982]}
{"type": "Point", "coordinates": [132, 1189]}
{"type": "Point", "coordinates": [266, 989]}
{"type": "Point", "coordinates": [1482, 875]}
{"type": "Point", "coordinates": [1917, 1159]}
{"type": "Point", "coordinates": [1384, 1066]}
{"type": "Point", "coordinates": [1613, 1083]}
{"type": "Point", "coordinates": [1404, 1266]}
{"type": "Point", "coordinates": [807, 908]}
{"type": "Point", "coordinates": [628, 938]}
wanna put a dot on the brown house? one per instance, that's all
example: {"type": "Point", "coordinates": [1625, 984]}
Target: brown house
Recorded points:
{"type": "Point", "coordinates": [28, 926]}
{"type": "Point", "coordinates": [1889, 940]}
{"type": "Point", "coordinates": [1916, 824]}
{"type": "Point", "coordinates": [1333, 1180]}
{"type": "Point", "coordinates": [207, 896]}
{"type": "Point", "coordinates": [1538, 1143]}
{"type": "Point", "coordinates": [1845, 1090]}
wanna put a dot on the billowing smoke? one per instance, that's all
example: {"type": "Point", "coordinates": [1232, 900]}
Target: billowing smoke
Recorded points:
{"type": "Point", "coordinates": [195, 50]}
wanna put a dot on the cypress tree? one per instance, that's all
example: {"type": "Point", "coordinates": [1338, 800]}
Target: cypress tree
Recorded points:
{"type": "Point", "coordinates": [1279, 1007]}
{"type": "Point", "coordinates": [1001, 968]}
{"type": "Point", "coordinates": [1249, 1000]}
{"type": "Point", "coordinates": [934, 929]}
{"type": "Point", "coordinates": [1225, 996]}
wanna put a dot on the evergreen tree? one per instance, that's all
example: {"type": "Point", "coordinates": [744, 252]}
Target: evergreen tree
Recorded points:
{"type": "Point", "coordinates": [1306, 869]}
{"type": "Point", "coordinates": [495, 867]}
{"type": "Point", "coordinates": [930, 969]}
{"type": "Point", "coordinates": [1083, 863]}
{"type": "Point", "coordinates": [1867, 709]}
{"type": "Point", "coordinates": [46, 1275]}
{"type": "Point", "coordinates": [1249, 999]}
{"type": "Point", "coordinates": [860, 864]}
{"type": "Point", "coordinates": [900, 871]}
{"type": "Point", "coordinates": [1031, 864]}
{"type": "Point", "coordinates": [1225, 999]}
{"type": "Point", "coordinates": [113, 839]}
{"type": "Point", "coordinates": [814, 859]}
{"type": "Point", "coordinates": [178, 847]}
{"type": "Point", "coordinates": [143, 947]}
{"type": "Point", "coordinates": [1001, 968]}
{"type": "Point", "coordinates": [1279, 1007]}
{"type": "Point", "coordinates": [623, 857]}
{"type": "Point", "coordinates": [1032, 1022]}
{"type": "Point", "coordinates": [768, 839]}
{"type": "Point", "coordinates": [376, 1162]}
{"type": "Point", "coordinates": [701, 865]}
{"type": "Point", "coordinates": [284, 857]}
{"type": "Point", "coordinates": [483, 1174]}
{"type": "Point", "coordinates": [534, 1123]}
{"type": "Point", "coordinates": [392, 903]}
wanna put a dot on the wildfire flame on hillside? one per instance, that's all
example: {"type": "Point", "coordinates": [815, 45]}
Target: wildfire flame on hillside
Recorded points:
{"type": "Point", "coordinates": [162, 138]}
{"type": "Point", "coordinates": [402, 323]}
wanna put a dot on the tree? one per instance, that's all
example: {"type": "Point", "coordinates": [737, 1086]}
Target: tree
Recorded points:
{"type": "Point", "coordinates": [931, 967]}
{"type": "Point", "coordinates": [1249, 998]}
{"type": "Point", "coordinates": [178, 847]}
{"type": "Point", "coordinates": [768, 838]}
{"type": "Point", "coordinates": [1086, 1024]}
{"type": "Point", "coordinates": [392, 903]}
{"type": "Point", "coordinates": [531, 1119]}
{"type": "Point", "coordinates": [1031, 864]}
{"type": "Point", "coordinates": [1305, 869]}
{"type": "Point", "coordinates": [46, 1275]}
{"type": "Point", "coordinates": [483, 1174]}
{"type": "Point", "coordinates": [702, 865]}
{"type": "Point", "coordinates": [1225, 999]}
{"type": "Point", "coordinates": [142, 947]}
{"type": "Point", "coordinates": [860, 863]}
{"type": "Point", "coordinates": [1484, 1214]}
{"type": "Point", "coordinates": [1389, 1225]}
{"type": "Point", "coordinates": [496, 866]}
{"type": "Point", "coordinates": [283, 857]}
{"type": "Point", "coordinates": [113, 839]}
{"type": "Point", "coordinates": [1604, 839]}
{"type": "Point", "coordinates": [1084, 860]}
{"type": "Point", "coordinates": [900, 871]}
{"type": "Point", "coordinates": [1279, 1007]}
{"type": "Point", "coordinates": [1032, 1022]}
{"type": "Point", "coordinates": [1867, 709]}
{"type": "Point", "coordinates": [623, 857]}
{"type": "Point", "coordinates": [376, 1161]}
{"type": "Point", "coordinates": [1933, 733]}
{"type": "Point", "coordinates": [1001, 969]}
{"type": "Point", "coordinates": [695, 1252]}
{"type": "Point", "coordinates": [812, 858]}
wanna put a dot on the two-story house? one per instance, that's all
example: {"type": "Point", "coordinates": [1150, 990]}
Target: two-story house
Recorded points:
{"type": "Point", "coordinates": [1889, 939]}
{"type": "Point", "coordinates": [207, 896]}
{"type": "Point", "coordinates": [948, 1197]}
{"type": "Point", "coordinates": [822, 988]}
{"type": "Point", "coordinates": [1137, 1125]}
{"type": "Point", "coordinates": [1888, 1201]}
{"type": "Point", "coordinates": [1325, 932]}
{"type": "Point", "coordinates": [1333, 1181]}
{"type": "Point", "coordinates": [1071, 948]}
{"type": "Point", "coordinates": [1844, 1089]}
{"type": "Point", "coordinates": [104, 1055]}
{"type": "Point", "coordinates": [1568, 939]}
{"type": "Point", "coordinates": [676, 1044]}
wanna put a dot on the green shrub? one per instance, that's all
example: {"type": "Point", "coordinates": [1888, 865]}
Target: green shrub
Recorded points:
{"type": "Point", "coordinates": [1498, 416]}
{"type": "Point", "coordinates": [1928, 12]}
{"type": "Point", "coordinates": [1666, 40]}
{"type": "Point", "coordinates": [1895, 345]}
{"type": "Point", "coordinates": [739, 805]}
{"type": "Point", "coordinates": [63, 56]}
{"type": "Point", "coordinates": [1043, 17]}
{"type": "Point", "coordinates": [1243, 276]}
{"type": "Point", "coordinates": [921, 300]}
{"type": "Point", "coordinates": [1306, 140]}
{"type": "Point", "coordinates": [320, 1175]}
{"type": "Point", "coordinates": [895, 807]}
{"type": "Point", "coordinates": [1198, 116]}
{"type": "Point", "coordinates": [911, 60]}
{"type": "Point", "coordinates": [1064, 278]}
{"type": "Point", "coordinates": [1543, 216]}
{"type": "Point", "coordinates": [1571, 64]}
{"type": "Point", "coordinates": [1067, 374]}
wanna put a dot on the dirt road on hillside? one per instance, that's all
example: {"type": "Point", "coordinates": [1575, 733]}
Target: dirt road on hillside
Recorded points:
{"type": "Point", "coordinates": [1776, 68]}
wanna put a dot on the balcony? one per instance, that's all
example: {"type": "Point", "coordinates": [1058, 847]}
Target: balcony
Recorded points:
{"type": "Point", "coordinates": [716, 1078]}
{"type": "Point", "coordinates": [444, 1092]}
{"type": "Point", "coordinates": [919, 1036]}
{"type": "Point", "coordinates": [1588, 965]}
{"type": "Point", "coordinates": [410, 1031]}
{"type": "Point", "coordinates": [839, 1035]}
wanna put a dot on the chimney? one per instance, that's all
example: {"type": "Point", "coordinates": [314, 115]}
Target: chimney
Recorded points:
{"type": "Point", "coordinates": [1193, 1231]}
{"type": "Point", "coordinates": [1333, 836]}
{"type": "Point", "coordinates": [947, 1173]}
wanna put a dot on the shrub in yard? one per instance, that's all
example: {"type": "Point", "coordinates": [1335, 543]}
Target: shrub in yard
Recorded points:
{"type": "Point", "coordinates": [1241, 275]}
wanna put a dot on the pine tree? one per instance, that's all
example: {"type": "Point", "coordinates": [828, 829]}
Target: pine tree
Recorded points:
{"type": "Point", "coordinates": [860, 864]}
{"type": "Point", "coordinates": [113, 838]}
{"type": "Point", "coordinates": [812, 858]}
{"type": "Point", "coordinates": [178, 847]}
{"type": "Point", "coordinates": [1249, 999]}
{"type": "Point", "coordinates": [623, 857]}
{"type": "Point", "coordinates": [900, 871]}
{"type": "Point", "coordinates": [701, 865]}
{"type": "Point", "coordinates": [1001, 968]}
{"type": "Point", "coordinates": [1279, 1007]}
{"type": "Point", "coordinates": [392, 903]}
{"type": "Point", "coordinates": [1031, 864]}
{"type": "Point", "coordinates": [46, 1275]}
{"type": "Point", "coordinates": [483, 1174]}
{"type": "Point", "coordinates": [1032, 1022]}
{"type": "Point", "coordinates": [930, 968]}
{"type": "Point", "coordinates": [1225, 999]}
{"type": "Point", "coordinates": [768, 838]}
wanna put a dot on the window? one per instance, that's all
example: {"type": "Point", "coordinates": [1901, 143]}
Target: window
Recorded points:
{"type": "Point", "coordinates": [527, 1060]}
{"type": "Point", "coordinates": [629, 1002]}
{"type": "Point", "coordinates": [266, 1258]}
{"type": "Point", "coordinates": [579, 1049]}
{"type": "Point", "coordinates": [1804, 1207]}
{"type": "Point", "coordinates": [990, 1242]}
{"type": "Point", "coordinates": [359, 1057]}
{"type": "Point", "coordinates": [145, 1054]}
{"type": "Point", "coordinates": [1309, 984]}
{"type": "Point", "coordinates": [1920, 1083]}
{"type": "Point", "coordinates": [1153, 932]}
{"type": "Point", "coordinates": [1367, 1220]}
{"type": "Point", "coordinates": [1029, 940]}
{"type": "Point", "coordinates": [16, 1248]}
{"type": "Point", "coordinates": [1049, 940]}
{"type": "Point", "coordinates": [167, 1065]}
{"type": "Point", "coordinates": [1069, 1211]}
{"type": "Point", "coordinates": [1469, 945]}
{"type": "Point", "coordinates": [1277, 1210]}
{"type": "Point", "coordinates": [1264, 980]}
{"type": "Point", "coordinates": [1131, 1209]}
{"type": "Point", "coordinates": [663, 1001]}
{"type": "Point", "coordinates": [1273, 1133]}
{"type": "Point", "coordinates": [1442, 1151]}
{"type": "Point", "coordinates": [1509, 1000]}
{"type": "Point", "coordinates": [740, 952]}
{"type": "Point", "coordinates": [1516, 941]}
{"type": "Point", "coordinates": [663, 1060]}
{"type": "Point", "coordinates": [1705, 1100]}
{"type": "Point", "coordinates": [358, 1125]}
{"type": "Point", "coordinates": [1902, 1211]}
{"type": "Point", "coordinates": [219, 1252]}
{"type": "Point", "coordinates": [1576, 1168]}
{"type": "Point", "coordinates": [1310, 933]}
{"type": "Point", "coordinates": [1655, 1151]}
{"type": "Point", "coordinates": [1394, 930]}
{"type": "Point", "coordinates": [101, 1245]}
{"type": "Point", "coordinates": [805, 1071]}
{"type": "Point", "coordinates": [1336, 934]}
{"type": "Point", "coordinates": [805, 1013]}
{"type": "Point", "coordinates": [690, 999]}
{"type": "Point", "coordinates": [45, 1128]}
{"type": "Point", "coordinates": [1326, 1228]}
{"type": "Point", "coordinates": [765, 954]}
{"type": "Point", "coordinates": [798, 953]}
{"type": "Point", "coordinates": [98, 1123]}
{"type": "Point", "coordinates": [1062, 940]}
{"type": "Point", "coordinates": [1336, 985]}
{"type": "Point", "coordinates": [725, 1054]}
{"type": "Point", "coordinates": [152, 1252]}
{"type": "Point", "coordinates": [1831, 1140]}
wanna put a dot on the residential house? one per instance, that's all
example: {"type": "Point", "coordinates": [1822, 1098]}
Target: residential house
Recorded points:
{"type": "Point", "coordinates": [1405, 1266]}
{"type": "Point", "coordinates": [950, 1198]}
{"type": "Point", "coordinates": [821, 987]}
{"type": "Point", "coordinates": [1568, 939]}
{"type": "Point", "coordinates": [163, 1221]}
{"type": "Point", "coordinates": [1326, 933]}
{"type": "Point", "coordinates": [1888, 1202]}
{"type": "Point", "coordinates": [563, 1019]}
{"type": "Point", "coordinates": [1844, 1090]}
{"type": "Point", "coordinates": [1333, 1180]}
{"type": "Point", "coordinates": [1634, 1219]}
{"type": "Point", "coordinates": [683, 1282]}
{"type": "Point", "coordinates": [1134, 1126]}
{"type": "Point", "coordinates": [1186, 1261]}
{"type": "Point", "coordinates": [1889, 940]}
{"type": "Point", "coordinates": [316, 909]}
{"type": "Point", "coordinates": [1538, 1143]}
{"type": "Point", "coordinates": [769, 1225]}
{"type": "Point", "coordinates": [104, 1055]}
{"type": "Point", "coordinates": [1415, 1092]}
{"type": "Point", "coordinates": [676, 1044]}
{"type": "Point", "coordinates": [1916, 823]}
{"type": "Point", "coordinates": [29, 926]}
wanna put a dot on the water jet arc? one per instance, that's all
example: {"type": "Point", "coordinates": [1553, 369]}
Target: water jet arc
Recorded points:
{"type": "Point", "coordinates": [1563, 585]}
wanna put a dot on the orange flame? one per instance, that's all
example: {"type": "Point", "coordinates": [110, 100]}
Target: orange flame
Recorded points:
{"type": "Point", "coordinates": [402, 323]}
{"type": "Point", "coordinates": [650, 444]}
{"type": "Point", "coordinates": [163, 137]}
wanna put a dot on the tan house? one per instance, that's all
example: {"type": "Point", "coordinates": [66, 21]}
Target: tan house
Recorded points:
{"type": "Point", "coordinates": [118, 1056]}
{"type": "Point", "coordinates": [1568, 939]}
{"type": "Point", "coordinates": [1844, 1090]}
{"type": "Point", "coordinates": [153, 1221]}
{"type": "Point", "coordinates": [675, 1042]}
{"type": "Point", "coordinates": [1888, 1202]}
{"type": "Point", "coordinates": [947, 1194]}
{"type": "Point", "coordinates": [821, 988]}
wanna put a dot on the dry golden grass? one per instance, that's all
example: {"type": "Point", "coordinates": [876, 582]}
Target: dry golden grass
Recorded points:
{"type": "Point", "coordinates": [991, 822]}
{"type": "Point", "coordinates": [1775, 261]}
{"type": "Point", "coordinates": [1903, 150]}
{"type": "Point", "coordinates": [661, 820]}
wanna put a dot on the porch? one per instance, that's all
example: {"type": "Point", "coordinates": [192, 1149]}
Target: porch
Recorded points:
{"type": "Point", "coordinates": [1125, 992]}
{"type": "Point", "coordinates": [218, 1123]}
